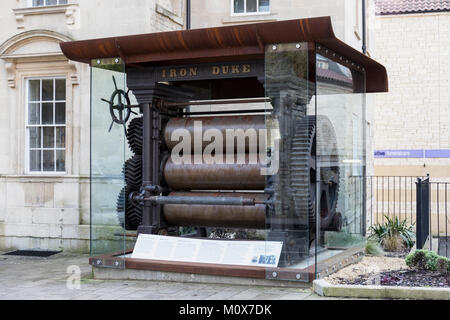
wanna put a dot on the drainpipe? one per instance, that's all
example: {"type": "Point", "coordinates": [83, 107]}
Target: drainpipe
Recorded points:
{"type": "Point", "coordinates": [364, 37]}
{"type": "Point", "coordinates": [188, 14]}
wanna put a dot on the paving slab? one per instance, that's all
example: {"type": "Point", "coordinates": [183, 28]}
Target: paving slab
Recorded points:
{"type": "Point", "coordinates": [47, 279]}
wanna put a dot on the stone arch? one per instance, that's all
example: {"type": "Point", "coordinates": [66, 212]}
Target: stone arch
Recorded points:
{"type": "Point", "coordinates": [33, 44]}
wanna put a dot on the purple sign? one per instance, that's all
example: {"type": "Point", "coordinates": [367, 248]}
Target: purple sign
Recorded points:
{"type": "Point", "coordinates": [399, 154]}
{"type": "Point", "coordinates": [443, 153]}
{"type": "Point", "coordinates": [439, 153]}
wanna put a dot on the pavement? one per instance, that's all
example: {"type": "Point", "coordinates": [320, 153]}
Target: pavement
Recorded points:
{"type": "Point", "coordinates": [68, 277]}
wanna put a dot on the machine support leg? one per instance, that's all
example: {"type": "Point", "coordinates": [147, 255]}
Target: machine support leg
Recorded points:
{"type": "Point", "coordinates": [155, 163]}
{"type": "Point", "coordinates": [147, 141]}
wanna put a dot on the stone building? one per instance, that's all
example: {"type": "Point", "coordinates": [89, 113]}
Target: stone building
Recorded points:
{"type": "Point", "coordinates": [44, 118]}
{"type": "Point", "coordinates": [44, 121]}
{"type": "Point", "coordinates": [412, 121]}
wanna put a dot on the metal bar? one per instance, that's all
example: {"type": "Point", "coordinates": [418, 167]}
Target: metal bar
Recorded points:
{"type": "Point", "coordinates": [364, 27]}
{"type": "Point", "coordinates": [446, 223]}
{"type": "Point", "coordinates": [438, 204]}
{"type": "Point", "coordinates": [226, 112]}
{"type": "Point", "coordinates": [213, 201]}
{"type": "Point", "coordinates": [394, 196]}
{"type": "Point", "coordinates": [382, 200]}
{"type": "Point", "coordinates": [208, 102]}
{"type": "Point", "coordinates": [188, 14]}
{"type": "Point", "coordinates": [406, 200]}
{"type": "Point", "coordinates": [378, 193]}
{"type": "Point", "coordinates": [419, 240]}
{"type": "Point", "coordinates": [354, 205]}
{"type": "Point", "coordinates": [430, 234]}
{"type": "Point", "coordinates": [412, 199]}
{"type": "Point", "coordinates": [389, 196]}
{"type": "Point", "coordinates": [155, 162]}
{"type": "Point", "coordinates": [371, 200]}
{"type": "Point", "coordinates": [146, 166]}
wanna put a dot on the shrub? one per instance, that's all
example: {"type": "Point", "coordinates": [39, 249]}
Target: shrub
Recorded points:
{"type": "Point", "coordinates": [393, 234]}
{"type": "Point", "coordinates": [443, 265]}
{"type": "Point", "coordinates": [427, 260]}
{"type": "Point", "coordinates": [373, 248]}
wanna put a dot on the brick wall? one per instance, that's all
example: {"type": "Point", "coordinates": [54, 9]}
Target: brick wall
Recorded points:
{"type": "Point", "coordinates": [415, 114]}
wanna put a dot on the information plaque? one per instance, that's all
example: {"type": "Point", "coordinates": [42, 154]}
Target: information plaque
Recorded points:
{"type": "Point", "coordinates": [246, 253]}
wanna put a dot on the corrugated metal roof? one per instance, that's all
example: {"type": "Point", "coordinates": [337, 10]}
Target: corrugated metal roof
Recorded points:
{"type": "Point", "coordinates": [385, 7]}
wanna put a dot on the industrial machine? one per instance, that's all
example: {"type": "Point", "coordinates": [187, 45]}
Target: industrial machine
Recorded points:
{"type": "Point", "coordinates": [250, 127]}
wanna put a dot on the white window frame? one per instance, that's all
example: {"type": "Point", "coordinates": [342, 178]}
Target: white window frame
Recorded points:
{"type": "Point", "coordinates": [30, 4]}
{"type": "Point", "coordinates": [257, 13]}
{"type": "Point", "coordinates": [27, 126]}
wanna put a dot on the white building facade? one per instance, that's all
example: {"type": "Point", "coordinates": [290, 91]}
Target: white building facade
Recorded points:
{"type": "Point", "coordinates": [45, 117]}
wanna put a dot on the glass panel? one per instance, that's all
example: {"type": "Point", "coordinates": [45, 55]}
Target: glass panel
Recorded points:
{"type": "Point", "coordinates": [51, 2]}
{"type": "Point", "coordinates": [264, 5]}
{"type": "Point", "coordinates": [238, 6]}
{"type": "Point", "coordinates": [49, 137]}
{"type": "Point", "coordinates": [33, 113]}
{"type": "Point", "coordinates": [47, 113]}
{"type": "Point", "coordinates": [251, 6]}
{"type": "Point", "coordinates": [62, 1]}
{"type": "Point", "coordinates": [60, 160]}
{"type": "Point", "coordinates": [47, 90]}
{"type": "Point", "coordinates": [34, 90]}
{"type": "Point", "coordinates": [60, 137]}
{"type": "Point", "coordinates": [37, 3]}
{"type": "Point", "coordinates": [60, 89]}
{"type": "Point", "coordinates": [341, 156]}
{"type": "Point", "coordinates": [35, 160]}
{"type": "Point", "coordinates": [109, 150]}
{"type": "Point", "coordinates": [291, 170]}
{"type": "Point", "coordinates": [60, 113]}
{"type": "Point", "coordinates": [35, 137]}
{"type": "Point", "coordinates": [49, 160]}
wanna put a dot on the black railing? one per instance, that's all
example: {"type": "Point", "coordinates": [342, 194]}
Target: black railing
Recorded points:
{"type": "Point", "coordinates": [389, 196]}
{"type": "Point", "coordinates": [420, 200]}
{"type": "Point", "coordinates": [433, 204]}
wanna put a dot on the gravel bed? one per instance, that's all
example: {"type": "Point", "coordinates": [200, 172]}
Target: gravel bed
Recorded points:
{"type": "Point", "coordinates": [387, 271]}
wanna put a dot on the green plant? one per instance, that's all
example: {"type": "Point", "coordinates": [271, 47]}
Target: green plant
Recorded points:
{"type": "Point", "coordinates": [393, 234]}
{"type": "Point", "coordinates": [443, 265]}
{"type": "Point", "coordinates": [373, 248]}
{"type": "Point", "coordinates": [343, 239]}
{"type": "Point", "coordinates": [427, 260]}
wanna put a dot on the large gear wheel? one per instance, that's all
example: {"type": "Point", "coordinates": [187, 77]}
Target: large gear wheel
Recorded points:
{"type": "Point", "coordinates": [132, 170]}
{"type": "Point", "coordinates": [314, 136]}
{"type": "Point", "coordinates": [134, 135]}
{"type": "Point", "coordinates": [128, 214]}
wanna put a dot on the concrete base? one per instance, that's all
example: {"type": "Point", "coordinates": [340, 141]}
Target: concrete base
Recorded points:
{"type": "Point", "coordinates": [134, 274]}
{"type": "Point", "coordinates": [324, 288]}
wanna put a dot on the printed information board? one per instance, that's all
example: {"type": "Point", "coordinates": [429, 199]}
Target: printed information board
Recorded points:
{"type": "Point", "coordinates": [246, 253]}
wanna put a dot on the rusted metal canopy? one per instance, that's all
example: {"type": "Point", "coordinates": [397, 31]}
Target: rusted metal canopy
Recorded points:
{"type": "Point", "coordinates": [235, 42]}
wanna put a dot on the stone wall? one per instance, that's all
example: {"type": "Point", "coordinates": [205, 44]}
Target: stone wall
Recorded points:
{"type": "Point", "coordinates": [415, 114]}
{"type": "Point", "coordinates": [52, 211]}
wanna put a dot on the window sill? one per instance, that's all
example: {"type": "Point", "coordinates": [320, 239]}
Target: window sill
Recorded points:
{"type": "Point", "coordinates": [251, 18]}
{"type": "Point", "coordinates": [68, 10]}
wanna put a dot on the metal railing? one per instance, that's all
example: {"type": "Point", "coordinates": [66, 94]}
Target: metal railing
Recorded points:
{"type": "Point", "coordinates": [399, 196]}
{"type": "Point", "coordinates": [433, 212]}
{"type": "Point", "coordinates": [388, 196]}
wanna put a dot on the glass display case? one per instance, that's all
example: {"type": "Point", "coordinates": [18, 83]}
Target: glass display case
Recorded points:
{"type": "Point", "coordinates": [245, 162]}
{"type": "Point", "coordinates": [109, 152]}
